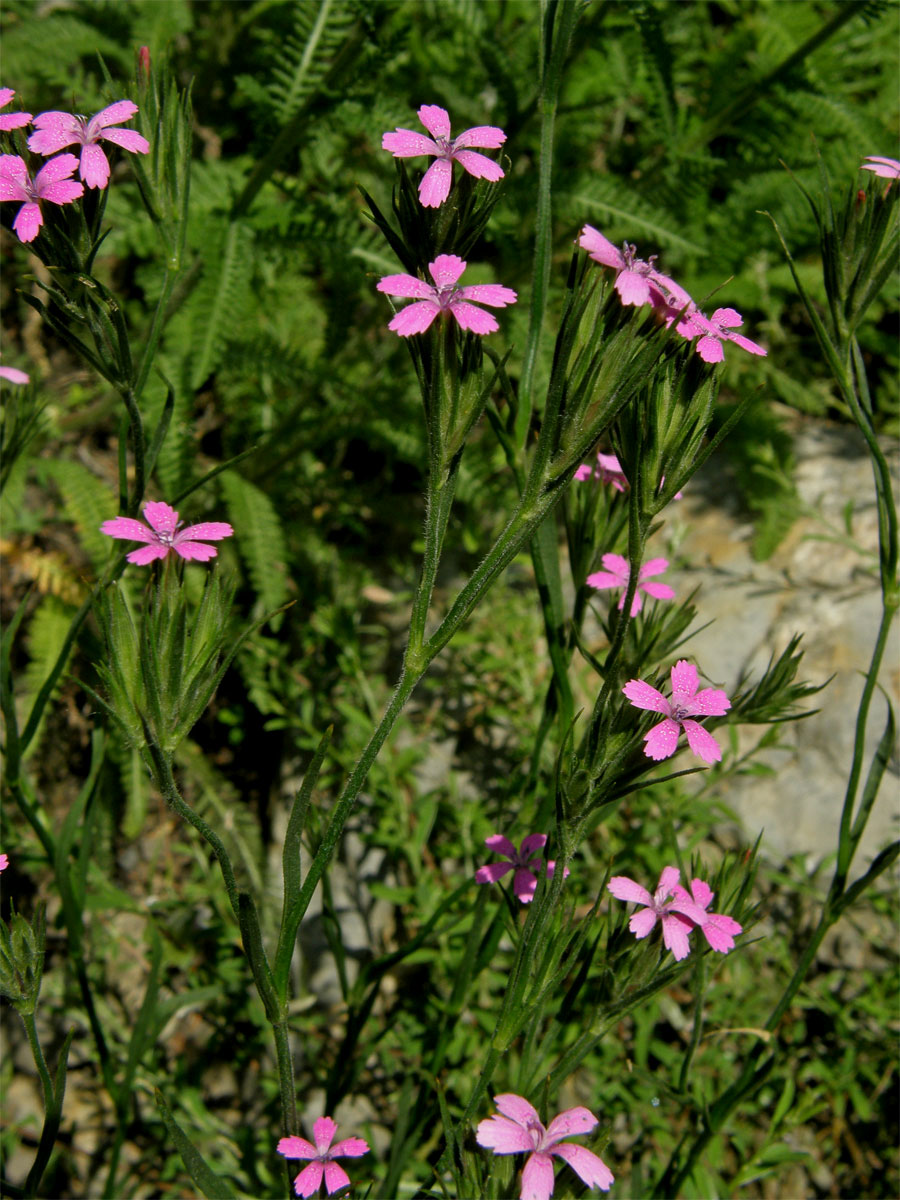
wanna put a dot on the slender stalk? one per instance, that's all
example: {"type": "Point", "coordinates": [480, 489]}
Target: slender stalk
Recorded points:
{"type": "Point", "coordinates": [39, 1060]}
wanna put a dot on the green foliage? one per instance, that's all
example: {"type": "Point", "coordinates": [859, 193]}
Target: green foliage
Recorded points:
{"type": "Point", "coordinates": [260, 538]}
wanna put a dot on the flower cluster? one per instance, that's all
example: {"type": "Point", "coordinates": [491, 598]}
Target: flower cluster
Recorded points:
{"type": "Point", "coordinates": [162, 534]}
{"type": "Point", "coordinates": [678, 910]}
{"type": "Point", "coordinates": [445, 298]}
{"type": "Point", "coordinates": [53, 183]}
{"type": "Point", "coordinates": [525, 862]}
{"type": "Point", "coordinates": [639, 282]}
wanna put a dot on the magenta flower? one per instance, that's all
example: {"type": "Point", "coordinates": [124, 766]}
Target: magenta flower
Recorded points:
{"type": "Point", "coordinates": [51, 183]}
{"type": "Point", "coordinates": [887, 168]}
{"type": "Point", "coordinates": [718, 929]}
{"type": "Point", "coordinates": [14, 375]}
{"type": "Point", "coordinates": [526, 863]}
{"type": "Point", "coordinates": [618, 572]}
{"type": "Point", "coordinates": [4, 858]}
{"type": "Point", "coordinates": [637, 281]}
{"type": "Point", "coordinates": [435, 186]}
{"type": "Point", "coordinates": [670, 905]}
{"type": "Point", "coordinates": [445, 297]}
{"type": "Point", "coordinates": [686, 703]}
{"type": "Point", "coordinates": [11, 120]}
{"type": "Point", "coordinates": [162, 535]}
{"type": "Point", "coordinates": [58, 129]}
{"type": "Point", "coordinates": [715, 330]}
{"type": "Point", "coordinates": [322, 1155]}
{"type": "Point", "coordinates": [607, 470]}
{"type": "Point", "coordinates": [519, 1130]}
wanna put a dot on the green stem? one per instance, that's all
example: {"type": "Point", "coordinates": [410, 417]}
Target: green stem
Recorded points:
{"type": "Point", "coordinates": [39, 1061]}
{"type": "Point", "coordinates": [156, 328]}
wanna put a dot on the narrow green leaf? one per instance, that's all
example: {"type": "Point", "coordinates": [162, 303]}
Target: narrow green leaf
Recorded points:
{"type": "Point", "coordinates": [213, 1186]}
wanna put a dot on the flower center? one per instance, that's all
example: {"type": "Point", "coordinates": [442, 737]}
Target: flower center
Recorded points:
{"type": "Point", "coordinates": [444, 295]}
{"type": "Point", "coordinates": [635, 264]}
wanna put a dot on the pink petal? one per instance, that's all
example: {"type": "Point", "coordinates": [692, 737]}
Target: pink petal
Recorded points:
{"type": "Point", "coordinates": [636, 602]}
{"type": "Point", "coordinates": [642, 922]}
{"type": "Point", "coordinates": [605, 579]}
{"type": "Point", "coordinates": [15, 120]}
{"type": "Point", "coordinates": [571, 1122]}
{"type": "Point", "coordinates": [128, 528]}
{"type": "Point", "coordinates": [710, 702]}
{"type": "Point", "coordinates": [600, 248]}
{"type": "Point", "coordinates": [128, 139]}
{"type": "Point", "coordinates": [524, 885]}
{"type": "Point", "coordinates": [479, 165]}
{"type": "Point", "coordinates": [114, 114]}
{"type": "Point", "coordinates": [503, 1136]}
{"type": "Point", "coordinates": [94, 167]}
{"type": "Point", "coordinates": [632, 288]}
{"type": "Point", "coordinates": [537, 1178]}
{"type": "Point", "coordinates": [710, 349]}
{"type": "Point", "coordinates": [584, 472]}
{"type": "Point", "coordinates": [532, 843]}
{"type": "Point", "coordinates": [335, 1177]}
{"type": "Point", "coordinates": [500, 845]}
{"type": "Point", "coordinates": [684, 679]}
{"type": "Point", "coordinates": [13, 174]}
{"type": "Point", "coordinates": [435, 186]}
{"type": "Point", "coordinates": [475, 319]}
{"type": "Point", "coordinates": [887, 168]}
{"type": "Point", "coordinates": [64, 192]}
{"type": "Point", "coordinates": [435, 119]}
{"type": "Point", "coordinates": [655, 566]}
{"type": "Point", "coordinates": [406, 143]}
{"type": "Point", "coordinates": [720, 931]}
{"type": "Point", "coordinates": [703, 744]}
{"type": "Point", "coordinates": [55, 171]}
{"type": "Point", "coordinates": [6, 94]}
{"type": "Point", "coordinates": [309, 1179]}
{"type": "Point", "coordinates": [659, 591]}
{"type": "Point", "coordinates": [4, 861]}
{"type": "Point", "coordinates": [642, 695]}
{"type": "Point", "coordinates": [489, 293]}
{"type": "Point", "coordinates": [13, 375]}
{"type": "Point", "coordinates": [212, 531]}
{"type": "Point", "coordinates": [446, 269]}
{"type": "Point", "coordinates": [492, 872]}
{"type": "Point", "coordinates": [746, 344]}
{"type": "Point", "coordinates": [54, 130]}
{"type": "Point", "coordinates": [296, 1147]}
{"type": "Point", "coordinates": [147, 554]}
{"type": "Point", "coordinates": [624, 888]}
{"type": "Point", "coordinates": [727, 318]}
{"type": "Point", "coordinates": [676, 938]}
{"type": "Point", "coordinates": [405, 285]}
{"type": "Point", "coordinates": [415, 318]}
{"type": "Point", "coordinates": [518, 1109]}
{"type": "Point", "coordinates": [195, 551]}
{"type": "Point", "coordinates": [351, 1147]}
{"type": "Point", "coordinates": [324, 1129]}
{"type": "Point", "coordinates": [161, 516]}
{"type": "Point", "coordinates": [488, 137]}
{"type": "Point", "coordinates": [28, 221]}
{"type": "Point", "coordinates": [587, 1165]}
{"type": "Point", "coordinates": [668, 879]}
{"type": "Point", "coordinates": [662, 740]}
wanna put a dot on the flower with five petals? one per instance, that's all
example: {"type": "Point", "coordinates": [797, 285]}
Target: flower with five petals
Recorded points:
{"type": "Point", "coordinates": [322, 1156]}
{"type": "Point", "coordinates": [524, 861]}
{"type": "Point", "coordinates": [679, 712]}
{"type": "Point", "coordinates": [435, 186]}
{"type": "Point", "coordinates": [58, 129]}
{"type": "Point", "coordinates": [161, 533]}
{"type": "Point", "coordinates": [444, 297]}
{"type": "Point", "coordinates": [618, 572]}
{"type": "Point", "coordinates": [669, 904]}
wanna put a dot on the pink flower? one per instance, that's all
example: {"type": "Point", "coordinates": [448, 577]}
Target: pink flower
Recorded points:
{"type": "Point", "coordinates": [11, 120]}
{"type": "Point", "coordinates": [618, 572]}
{"type": "Point", "coordinates": [607, 470]}
{"type": "Point", "coordinates": [887, 168]}
{"type": "Point", "coordinates": [13, 374]}
{"type": "Point", "coordinates": [686, 702]}
{"type": "Point", "coordinates": [718, 929]}
{"type": "Point", "coordinates": [4, 858]}
{"type": "Point", "coordinates": [637, 281]}
{"type": "Point", "coordinates": [669, 904]}
{"type": "Point", "coordinates": [445, 297]}
{"type": "Point", "coordinates": [51, 183]}
{"type": "Point", "coordinates": [163, 535]}
{"type": "Point", "coordinates": [519, 1130]}
{"type": "Point", "coordinates": [715, 331]}
{"type": "Point", "coordinates": [322, 1155]}
{"type": "Point", "coordinates": [58, 129]}
{"type": "Point", "coordinates": [435, 185]}
{"type": "Point", "coordinates": [524, 861]}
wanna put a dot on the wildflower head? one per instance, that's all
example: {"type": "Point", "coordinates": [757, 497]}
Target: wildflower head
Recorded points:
{"type": "Point", "coordinates": [162, 535]}
{"type": "Point", "coordinates": [321, 1158]}
{"type": "Point", "coordinates": [435, 186]}
{"type": "Point", "coordinates": [525, 861]}
{"type": "Point", "coordinates": [679, 713]}
{"type": "Point", "coordinates": [444, 297]}
{"type": "Point", "coordinates": [54, 130]}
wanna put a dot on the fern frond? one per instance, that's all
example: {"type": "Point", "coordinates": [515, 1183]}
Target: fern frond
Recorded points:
{"type": "Point", "coordinates": [607, 199]}
{"type": "Point", "coordinates": [308, 52]}
{"type": "Point", "coordinates": [218, 300]}
{"type": "Point", "coordinates": [260, 538]}
{"type": "Point", "coordinates": [46, 633]}
{"type": "Point", "coordinates": [51, 574]}
{"type": "Point", "coordinates": [88, 503]}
